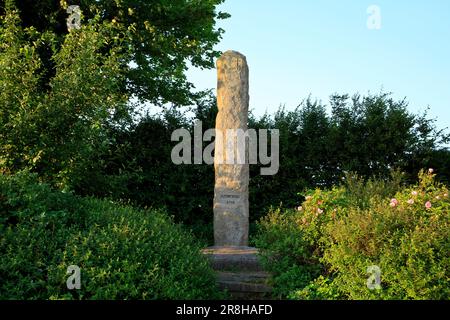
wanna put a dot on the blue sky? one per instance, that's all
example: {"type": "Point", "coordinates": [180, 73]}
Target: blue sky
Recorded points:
{"type": "Point", "coordinates": [299, 47]}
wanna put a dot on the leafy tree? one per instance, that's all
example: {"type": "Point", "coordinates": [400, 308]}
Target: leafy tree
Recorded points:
{"type": "Point", "coordinates": [55, 132]}
{"type": "Point", "coordinates": [373, 134]}
{"type": "Point", "coordinates": [164, 37]}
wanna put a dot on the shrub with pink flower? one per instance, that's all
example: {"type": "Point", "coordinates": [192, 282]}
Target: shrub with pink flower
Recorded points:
{"type": "Point", "coordinates": [340, 231]}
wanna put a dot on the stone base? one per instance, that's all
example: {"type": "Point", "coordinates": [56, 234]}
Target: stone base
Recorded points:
{"type": "Point", "coordinates": [239, 271]}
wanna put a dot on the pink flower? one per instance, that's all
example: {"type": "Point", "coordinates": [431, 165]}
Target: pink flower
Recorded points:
{"type": "Point", "coordinates": [414, 193]}
{"type": "Point", "coordinates": [430, 171]}
{"type": "Point", "coordinates": [411, 201]}
{"type": "Point", "coordinates": [428, 205]}
{"type": "Point", "coordinates": [394, 203]}
{"type": "Point", "coordinates": [320, 202]}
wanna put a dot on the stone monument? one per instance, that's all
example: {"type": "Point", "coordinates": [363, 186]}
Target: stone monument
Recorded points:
{"type": "Point", "coordinates": [231, 218]}
{"type": "Point", "coordinates": [237, 266]}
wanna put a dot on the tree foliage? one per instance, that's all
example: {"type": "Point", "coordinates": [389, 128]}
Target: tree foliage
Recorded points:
{"type": "Point", "coordinates": [55, 132]}
{"type": "Point", "coordinates": [165, 37]}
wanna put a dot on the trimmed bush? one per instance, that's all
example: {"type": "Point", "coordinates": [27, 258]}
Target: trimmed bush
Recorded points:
{"type": "Point", "coordinates": [322, 250]}
{"type": "Point", "coordinates": [123, 253]}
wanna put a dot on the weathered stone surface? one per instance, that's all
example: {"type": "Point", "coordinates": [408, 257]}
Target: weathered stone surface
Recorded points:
{"type": "Point", "coordinates": [231, 210]}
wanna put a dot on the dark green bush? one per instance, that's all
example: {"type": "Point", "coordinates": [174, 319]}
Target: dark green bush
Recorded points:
{"type": "Point", "coordinates": [322, 249]}
{"type": "Point", "coordinates": [123, 253]}
{"type": "Point", "coordinates": [316, 149]}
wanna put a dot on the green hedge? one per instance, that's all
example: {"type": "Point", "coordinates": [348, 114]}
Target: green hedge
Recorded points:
{"type": "Point", "coordinates": [123, 253]}
{"type": "Point", "coordinates": [322, 249]}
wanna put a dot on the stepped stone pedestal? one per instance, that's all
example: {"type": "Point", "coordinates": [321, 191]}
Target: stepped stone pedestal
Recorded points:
{"type": "Point", "coordinates": [239, 271]}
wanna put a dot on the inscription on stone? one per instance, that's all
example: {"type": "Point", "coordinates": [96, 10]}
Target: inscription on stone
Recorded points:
{"type": "Point", "coordinates": [230, 200]}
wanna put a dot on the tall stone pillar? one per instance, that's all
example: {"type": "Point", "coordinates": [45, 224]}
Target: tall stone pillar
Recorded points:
{"type": "Point", "coordinates": [231, 208]}
{"type": "Point", "coordinates": [238, 267]}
